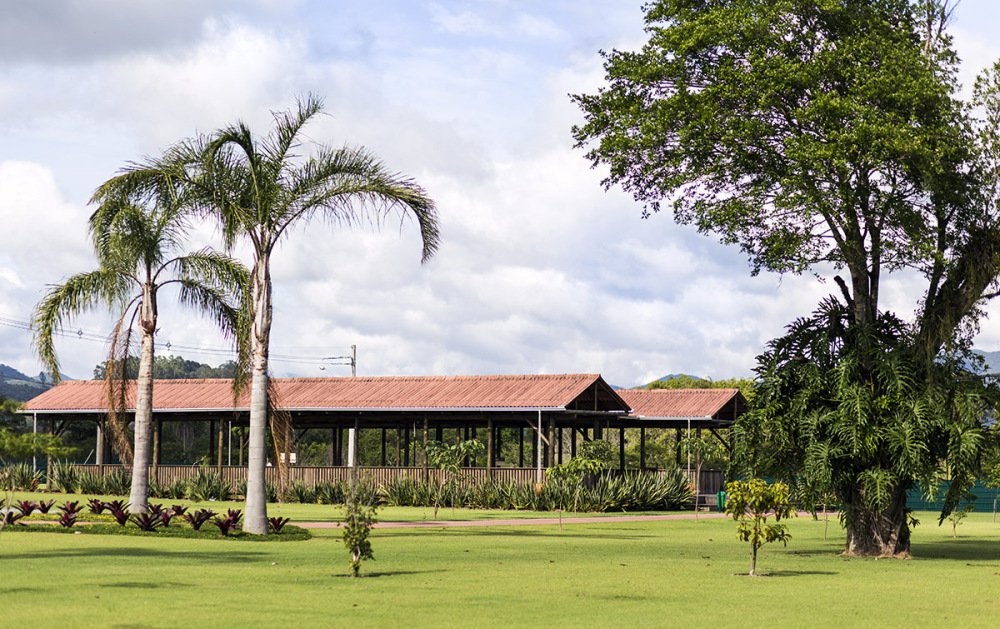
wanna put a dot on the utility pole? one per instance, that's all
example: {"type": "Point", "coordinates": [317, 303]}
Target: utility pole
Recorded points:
{"type": "Point", "coordinates": [352, 433]}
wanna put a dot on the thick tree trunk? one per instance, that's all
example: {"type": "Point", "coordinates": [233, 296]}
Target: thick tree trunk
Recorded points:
{"type": "Point", "coordinates": [139, 494]}
{"type": "Point", "coordinates": [256, 500]}
{"type": "Point", "coordinates": [878, 533]}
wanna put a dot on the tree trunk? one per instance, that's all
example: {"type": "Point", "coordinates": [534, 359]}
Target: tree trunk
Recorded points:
{"type": "Point", "coordinates": [878, 533]}
{"type": "Point", "coordinates": [139, 493]}
{"type": "Point", "coordinates": [256, 499]}
{"type": "Point", "coordinates": [753, 559]}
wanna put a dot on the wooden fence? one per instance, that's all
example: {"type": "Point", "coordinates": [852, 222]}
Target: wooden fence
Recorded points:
{"type": "Point", "coordinates": [711, 480]}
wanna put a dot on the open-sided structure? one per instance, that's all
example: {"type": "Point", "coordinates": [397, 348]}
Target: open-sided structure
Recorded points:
{"type": "Point", "coordinates": [554, 409]}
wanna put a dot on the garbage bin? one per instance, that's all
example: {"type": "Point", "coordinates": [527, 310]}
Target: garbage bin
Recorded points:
{"type": "Point", "coordinates": [720, 499]}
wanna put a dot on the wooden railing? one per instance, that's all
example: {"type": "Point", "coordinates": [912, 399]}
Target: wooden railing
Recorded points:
{"type": "Point", "coordinates": [711, 480]}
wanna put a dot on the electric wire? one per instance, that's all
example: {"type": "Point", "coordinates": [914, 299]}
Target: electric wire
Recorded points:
{"type": "Point", "coordinates": [224, 352]}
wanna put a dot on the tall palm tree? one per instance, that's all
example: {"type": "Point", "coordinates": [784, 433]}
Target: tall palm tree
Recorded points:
{"type": "Point", "coordinates": [258, 188]}
{"type": "Point", "coordinates": [136, 241]}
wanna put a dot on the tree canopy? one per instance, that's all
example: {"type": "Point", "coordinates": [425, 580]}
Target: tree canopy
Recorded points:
{"type": "Point", "coordinates": [826, 137]}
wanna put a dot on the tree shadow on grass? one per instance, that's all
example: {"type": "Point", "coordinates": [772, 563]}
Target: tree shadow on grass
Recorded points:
{"type": "Point", "coordinates": [142, 553]}
{"type": "Point", "coordinates": [378, 575]}
{"type": "Point", "coordinates": [797, 573]}
{"type": "Point", "coordinates": [962, 549]}
{"type": "Point", "coordinates": [496, 532]}
{"type": "Point", "coordinates": [132, 585]}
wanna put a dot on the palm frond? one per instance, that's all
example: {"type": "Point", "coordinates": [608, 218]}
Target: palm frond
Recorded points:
{"type": "Point", "coordinates": [76, 295]}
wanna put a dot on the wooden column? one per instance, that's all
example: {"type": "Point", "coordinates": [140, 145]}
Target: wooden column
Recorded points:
{"type": "Point", "coordinates": [427, 471]}
{"type": "Point", "coordinates": [520, 446]}
{"type": "Point", "coordinates": [642, 448]}
{"type": "Point", "coordinates": [490, 453]}
{"type": "Point", "coordinates": [621, 449]}
{"type": "Point", "coordinates": [572, 442]}
{"type": "Point", "coordinates": [677, 445]}
{"type": "Point", "coordinates": [399, 447]}
{"type": "Point", "coordinates": [211, 440]}
{"type": "Point", "coordinates": [383, 448]}
{"type": "Point", "coordinates": [560, 455]}
{"type": "Point", "coordinates": [550, 451]}
{"type": "Point", "coordinates": [220, 446]}
{"type": "Point", "coordinates": [157, 441]}
{"type": "Point", "coordinates": [99, 446]}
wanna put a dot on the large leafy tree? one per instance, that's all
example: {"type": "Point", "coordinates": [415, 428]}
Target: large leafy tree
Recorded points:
{"type": "Point", "coordinates": [818, 136]}
{"type": "Point", "coordinates": [259, 188]}
{"type": "Point", "coordinates": [138, 242]}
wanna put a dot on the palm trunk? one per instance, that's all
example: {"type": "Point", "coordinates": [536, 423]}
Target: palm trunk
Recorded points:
{"type": "Point", "coordinates": [139, 494]}
{"type": "Point", "coordinates": [256, 499]}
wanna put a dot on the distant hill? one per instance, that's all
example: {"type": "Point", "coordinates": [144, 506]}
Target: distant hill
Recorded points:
{"type": "Point", "coordinates": [19, 386]}
{"type": "Point", "coordinates": [673, 376]}
{"type": "Point", "coordinates": [992, 360]}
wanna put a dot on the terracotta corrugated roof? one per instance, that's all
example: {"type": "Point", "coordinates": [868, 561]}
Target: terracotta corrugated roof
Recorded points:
{"type": "Point", "coordinates": [399, 392]}
{"type": "Point", "coordinates": [677, 403]}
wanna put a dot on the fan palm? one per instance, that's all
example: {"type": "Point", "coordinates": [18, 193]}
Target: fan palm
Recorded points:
{"type": "Point", "coordinates": [136, 241]}
{"type": "Point", "coordinates": [258, 189]}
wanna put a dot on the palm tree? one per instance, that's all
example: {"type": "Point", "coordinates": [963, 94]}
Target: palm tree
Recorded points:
{"type": "Point", "coordinates": [258, 189]}
{"type": "Point", "coordinates": [136, 240]}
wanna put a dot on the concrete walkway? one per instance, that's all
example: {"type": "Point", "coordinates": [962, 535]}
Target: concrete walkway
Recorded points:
{"type": "Point", "coordinates": [610, 519]}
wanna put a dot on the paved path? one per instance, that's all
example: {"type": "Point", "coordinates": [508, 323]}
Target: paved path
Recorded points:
{"type": "Point", "coordinates": [429, 524]}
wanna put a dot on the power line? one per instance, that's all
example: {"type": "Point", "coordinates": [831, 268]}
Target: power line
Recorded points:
{"type": "Point", "coordinates": [224, 352]}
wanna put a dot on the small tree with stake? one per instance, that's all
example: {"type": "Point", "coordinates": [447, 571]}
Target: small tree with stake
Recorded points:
{"type": "Point", "coordinates": [358, 521]}
{"type": "Point", "coordinates": [750, 503]}
{"type": "Point", "coordinates": [449, 458]}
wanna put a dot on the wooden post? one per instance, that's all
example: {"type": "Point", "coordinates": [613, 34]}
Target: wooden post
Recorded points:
{"type": "Point", "coordinates": [677, 444]}
{"type": "Point", "coordinates": [490, 453]}
{"type": "Point", "coordinates": [572, 442]}
{"type": "Point", "coordinates": [427, 471]}
{"type": "Point", "coordinates": [211, 441]}
{"type": "Point", "coordinates": [642, 448]}
{"type": "Point", "coordinates": [383, 448]}
{"type": "Point", "coordinates": [520, 446]}
{"type": "Point", "coordinates": [621, 449]}
{"type": "Point", "coordinates": [220, 446]}
{"type": "Point", "coordinates": [157, 440]}
{"type": "Point", "coordinates": [399, 446]}
{"type": "Point", "coordinates": [550, 434]}
{"type": "Point", "coordinates": [560, 455]}
{"type": "Point", "coordinates": [99, 446]}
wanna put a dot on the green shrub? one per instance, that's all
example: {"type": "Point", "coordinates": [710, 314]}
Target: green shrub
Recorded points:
{"type": "Point", "coordinates": [91, 483]}
{"type": "Point", "coordinates": [208, 485]}
{"type": "Point", "coordinates": [329, 493]}
{"type": "Point", "coordinates": [117, 483]}
{"type": "Point", "coordinates": [65, 477]}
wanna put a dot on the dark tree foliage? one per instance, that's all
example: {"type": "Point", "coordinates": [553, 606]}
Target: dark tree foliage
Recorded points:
{"type": "Point", "coordinates": [827, 135]}
{"type": "Point", "coordinates": [849, 415]}
{"type": "Point", "coordinates": [171, 368]}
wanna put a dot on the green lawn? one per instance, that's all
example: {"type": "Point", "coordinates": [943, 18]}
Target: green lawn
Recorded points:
{"type": "Point", "coordinates": [668, 573]}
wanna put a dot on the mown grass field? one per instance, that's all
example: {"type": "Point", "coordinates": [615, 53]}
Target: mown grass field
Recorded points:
{"type": "Point", "coordinates": [666, 573]}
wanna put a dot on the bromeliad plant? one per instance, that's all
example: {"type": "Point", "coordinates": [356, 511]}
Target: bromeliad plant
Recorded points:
{"type": "Point", "coordinates": [751, 503]}
{"type": "Point", "coordinates": [97, 506]}
{"type": "Point", "coordinates": [118, 510]}
{"type": "Point", "coordinates": [70, 512]}
{"type": "Point", "coordinates": [148, 522]}
{"type": "Point", "coordinates": [26, 507]}
{"type": "Point", "coordinates": [199, 517]}
{"type": "Point", "coordinates": [45, 505]}
{"type": "Point", "coordinates": [229, 523]}
{"type": "Point", "coordinates": [276, 524]}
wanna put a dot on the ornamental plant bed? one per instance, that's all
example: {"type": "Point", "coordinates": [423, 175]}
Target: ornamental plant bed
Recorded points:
{"type": "Point", "coordinates": [288, 532]}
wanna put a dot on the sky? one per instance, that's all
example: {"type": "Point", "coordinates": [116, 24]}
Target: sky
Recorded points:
{"type": "Point", "coordinates": [540, 269]}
